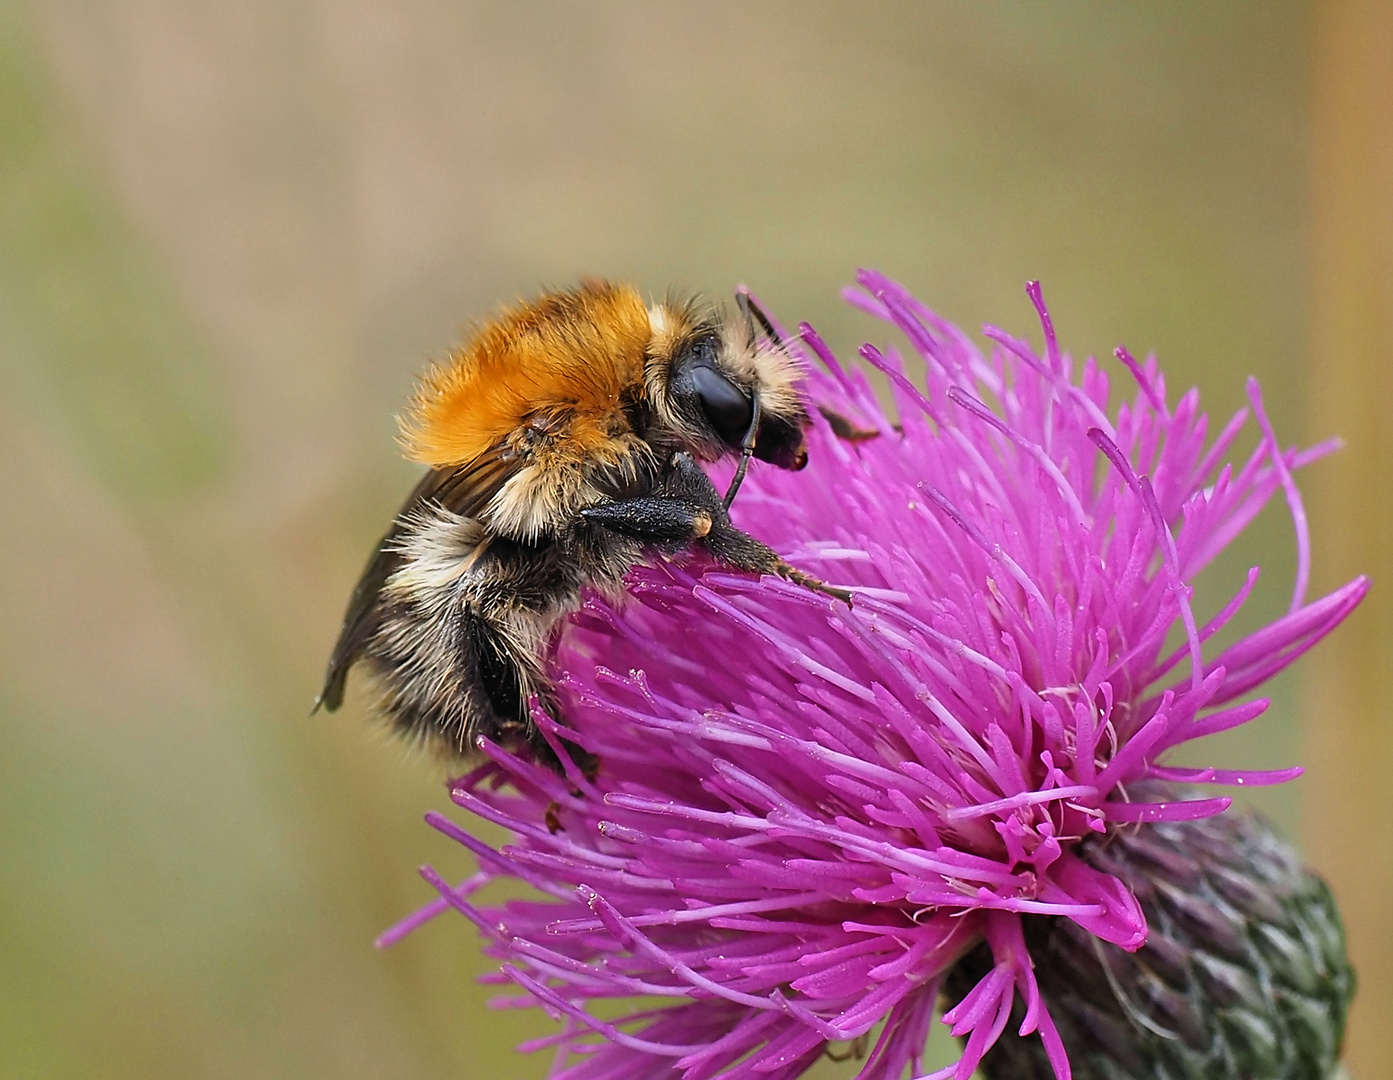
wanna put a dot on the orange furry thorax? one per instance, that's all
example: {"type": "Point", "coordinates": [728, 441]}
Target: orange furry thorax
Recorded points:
{"type": "Point", "coordinates": [571, 353]}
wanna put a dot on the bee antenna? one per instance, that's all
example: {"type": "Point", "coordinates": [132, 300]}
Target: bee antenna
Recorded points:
{"type": "Point", "coordinates": [747, 447]}
{"type": "Point", "coordinates": [753, 313]}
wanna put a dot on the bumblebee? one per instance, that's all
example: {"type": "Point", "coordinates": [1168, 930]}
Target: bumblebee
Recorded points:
{"type": "Point", "coordinates": [562, 443]}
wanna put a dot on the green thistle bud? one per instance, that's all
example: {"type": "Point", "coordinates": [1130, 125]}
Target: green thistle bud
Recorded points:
{"type": "Point", "coordinates": [1243, 976]}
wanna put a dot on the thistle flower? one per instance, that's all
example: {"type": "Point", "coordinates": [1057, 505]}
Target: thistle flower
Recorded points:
{"type": "Point", "coordinates": [804, 815]}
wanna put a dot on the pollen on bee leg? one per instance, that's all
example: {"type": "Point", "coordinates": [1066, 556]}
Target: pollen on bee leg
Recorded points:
{"type": "Point", "coordinates": [701, 524]}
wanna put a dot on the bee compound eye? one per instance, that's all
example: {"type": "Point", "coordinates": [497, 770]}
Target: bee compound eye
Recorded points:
{"type": "Point", "coordinates": [725, 406]}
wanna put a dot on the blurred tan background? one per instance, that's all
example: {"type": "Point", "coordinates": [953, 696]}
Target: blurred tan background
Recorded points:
{"type": "Point", "coordinates": [231, 233]}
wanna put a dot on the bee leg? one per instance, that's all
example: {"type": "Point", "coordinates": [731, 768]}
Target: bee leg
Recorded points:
{"type": "Point", "coordinates": [509, 676]}
{"type": "Point", "coordinates": [793, 574]}
{"type": "Point", "coordinates": [499, 671]}
{"type": "Point", "coordinates": [729, 544]}
{"type": "Point", "coordinates": [844, 428]}
{"type": "Point", "coordinates": [660, 520]}
{"type": "Point", "coordinates": [736, 548]}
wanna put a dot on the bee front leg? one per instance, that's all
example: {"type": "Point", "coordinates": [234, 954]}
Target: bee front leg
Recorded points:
{"type": "Point", "coordinates": [730, 544]}
{"type": "Point", "coordinates": [659, 520]}
{"type": "Point", "coordinates": [688, 509]}
{"type": "Point", "coordinates": [737, 548]}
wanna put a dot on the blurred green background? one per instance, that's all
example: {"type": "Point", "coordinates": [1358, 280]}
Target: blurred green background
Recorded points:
{"type": "Point", "coordinates": [231, 233]}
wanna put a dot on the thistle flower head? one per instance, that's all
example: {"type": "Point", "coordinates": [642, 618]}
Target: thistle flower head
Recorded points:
{"type": "Point", "coordinates": [804, 814]}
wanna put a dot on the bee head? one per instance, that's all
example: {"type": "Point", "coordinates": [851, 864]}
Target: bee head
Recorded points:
{"type": "Point", "coordinates": [705, 376]}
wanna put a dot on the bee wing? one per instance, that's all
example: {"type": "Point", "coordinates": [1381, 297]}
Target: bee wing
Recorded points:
{"type": "Point", "coordinates": [461, 489]}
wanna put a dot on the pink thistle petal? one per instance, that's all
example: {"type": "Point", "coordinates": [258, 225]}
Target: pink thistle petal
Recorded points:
{"type": "Point", "coordinates": [1298, 509]}
{"type": "Point", "coordinates": [1189, 810]}
{"type": "Point", "coordinates": [1238, 777]}
{"type": "Point", "coordinates": [1120, 920]}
